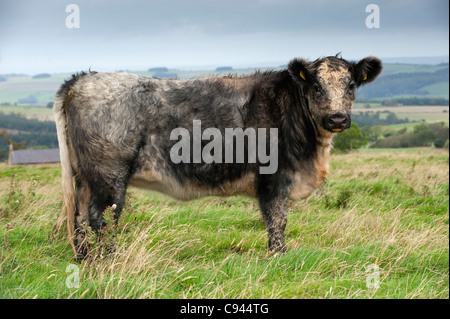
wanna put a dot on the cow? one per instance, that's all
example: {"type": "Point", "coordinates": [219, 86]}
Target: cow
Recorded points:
{"type": "Point", "coordinates": [121, 129]}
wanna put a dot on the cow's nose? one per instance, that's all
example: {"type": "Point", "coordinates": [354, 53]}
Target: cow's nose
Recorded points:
{"type": "Point", "coordinates": [337, 121]}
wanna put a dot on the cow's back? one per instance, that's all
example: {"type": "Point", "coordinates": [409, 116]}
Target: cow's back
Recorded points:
{"type": "Point", "coordinates": [119, 124]}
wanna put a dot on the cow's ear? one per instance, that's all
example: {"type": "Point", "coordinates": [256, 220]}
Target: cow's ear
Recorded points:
{"type": "Point", "coordinates": [367, 70]}
{"type": "Point", "coordinates": [299, 69]}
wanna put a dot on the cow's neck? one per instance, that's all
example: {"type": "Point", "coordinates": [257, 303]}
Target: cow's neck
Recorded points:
{"type": "Point", "coordinates": [324, 138]}
{"type": "Point", "coordinates": [322, 162]}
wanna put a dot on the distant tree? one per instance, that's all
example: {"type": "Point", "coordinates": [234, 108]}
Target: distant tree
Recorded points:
{"type": "Point", "coordinates": [19, 122]}
{"type": "Point", "coordinates": [439, 143]}
{"type": "Point", "coordinates": [41, 76]}
{"type": "Point", "coordinates": [415, 101]}
{"type": "Point", "coordinates": [224, 69]}
{"type": "Point", "coordinates": [369, 118]}
{"type": "Point", "coordinates": [159, 69]}
{"type": "Point", "coordinates": [441, 131]}
{"type": "Point", "coordinates": [391, 118]}
{"type": "Point", "coordinates": [31, 99]}
{"type": "Point", "coordinates": [50, 104]}
{"type": "Point", "coordinates": [3, 154]}
{"type": "Point", "coordinates": [165, 75]}
{"type": "Point", "coordinates": [350, 139]}
{"type": "Point", "coordinates": [424, 134]}
{"type": "Point", "coordinates": [9, 141]}
{"type": "Point", "coordinates": [2, 79]}
{"type": "Point", "coordinates": [374, 132]}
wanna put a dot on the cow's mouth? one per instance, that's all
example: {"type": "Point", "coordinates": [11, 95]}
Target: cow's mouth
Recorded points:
{"type": "Point", "coordinates": [336, 123]}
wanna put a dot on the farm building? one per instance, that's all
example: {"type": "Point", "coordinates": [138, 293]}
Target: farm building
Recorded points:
{"type": "Point", "coordinates": [26, 157]}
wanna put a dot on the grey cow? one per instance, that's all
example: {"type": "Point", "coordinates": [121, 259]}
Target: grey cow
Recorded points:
{"type": "Point", "coordinates": [117, 129]}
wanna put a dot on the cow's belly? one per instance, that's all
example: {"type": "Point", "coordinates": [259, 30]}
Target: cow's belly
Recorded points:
{"type": "Point", "coordinates": [167, 185]}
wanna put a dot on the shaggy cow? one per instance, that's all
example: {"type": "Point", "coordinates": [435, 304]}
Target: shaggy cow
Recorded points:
{"type": "Point", "coordinates": [117, 129]}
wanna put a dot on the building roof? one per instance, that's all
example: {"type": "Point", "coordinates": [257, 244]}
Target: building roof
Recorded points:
{"type": "Point", "coordinates": [22, 157]}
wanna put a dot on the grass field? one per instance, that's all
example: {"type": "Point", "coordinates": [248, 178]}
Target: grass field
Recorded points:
{"type": "Point", "coordinates": [41, 113]}
{"type": "Point", "coordinates": [381, 220]}
{"type": "Point", "coordinates": [413, 113]}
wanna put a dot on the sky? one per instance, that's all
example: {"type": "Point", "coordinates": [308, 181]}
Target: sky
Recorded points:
{"type": "Point", "coordinates": [204, 34]}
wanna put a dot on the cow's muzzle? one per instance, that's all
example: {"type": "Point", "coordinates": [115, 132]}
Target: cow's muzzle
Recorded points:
{"type": "Point", "coordinates": [336, 122]}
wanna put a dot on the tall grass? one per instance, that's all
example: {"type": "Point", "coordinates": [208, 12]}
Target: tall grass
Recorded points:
{"type": "Point", "coordinates": [383, 209]}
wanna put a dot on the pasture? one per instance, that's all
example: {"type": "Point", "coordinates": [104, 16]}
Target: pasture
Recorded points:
{"type": "Point", "coordinates": [378, 228]}
{"type": "Point", "coordinates": [413, 113]}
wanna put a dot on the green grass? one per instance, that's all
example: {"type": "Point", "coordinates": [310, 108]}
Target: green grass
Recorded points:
{"type": "Point", "coordinates": [42, 97]}
{"type": "Point", "coordinates": [384, 208]}
{"type": "Point", "coordinates": [35, 112]}
{"type": "Point", "coordinates": [438, 89]}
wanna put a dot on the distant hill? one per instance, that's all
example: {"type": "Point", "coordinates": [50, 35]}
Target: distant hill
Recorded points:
{"type": "Point", "coordinates": [419, 60]}
{"type": "Point", "coordinates": [397, 80]}
{"type": "Point", "coordinates": [406, 80]}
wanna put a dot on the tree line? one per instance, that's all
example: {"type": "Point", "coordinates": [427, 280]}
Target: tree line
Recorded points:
{"type": "Point", "coordinates": [434, 134]}
{"type": "Point", "coordinates": [18, 122]}
{"type": "Point", "coordinates": [370, 128]}
{"type": "Point", "coordinates": [31, 133]}
{"type": "Point", "coordinates": [407, 101]}
{"type": "Point", "coordinates": [367, 128]}
{"type": "Point", "coordinates": [369, 118]}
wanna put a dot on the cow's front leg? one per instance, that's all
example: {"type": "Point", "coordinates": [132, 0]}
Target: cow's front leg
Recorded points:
{"type": "Point", "coordinates": [274, 212]}
{"type": "Point", "coordinates": [273, 200]}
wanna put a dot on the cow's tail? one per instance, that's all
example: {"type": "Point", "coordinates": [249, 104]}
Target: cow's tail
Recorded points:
{"type": "Point", "coordinates": [68, 190]}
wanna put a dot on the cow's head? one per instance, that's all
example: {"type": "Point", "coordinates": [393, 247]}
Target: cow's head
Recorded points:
{"type": "Point", "coordinates": [329, 85]}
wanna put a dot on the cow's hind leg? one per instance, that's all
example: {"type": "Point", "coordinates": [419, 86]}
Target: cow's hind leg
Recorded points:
{"type": "Point", "coordinates": [113, 197]}
{"type": "Point", "coordinates": [82, 200]}
{"type": "Point", "coordinates": [109, 193]}
{"type": "Point", "coordinates": [93, 197]}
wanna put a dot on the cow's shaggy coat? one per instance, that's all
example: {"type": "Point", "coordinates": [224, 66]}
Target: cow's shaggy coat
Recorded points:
{"type": "Point", "coordinates": [114, 130]}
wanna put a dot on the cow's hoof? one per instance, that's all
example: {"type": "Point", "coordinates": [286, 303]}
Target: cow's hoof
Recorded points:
{"type": "Point", "coordinates": [278, 249]}
{"type": "Point", "coordinates": [79, 257]}
{"type": "Point", "coordinates": [81, 252]}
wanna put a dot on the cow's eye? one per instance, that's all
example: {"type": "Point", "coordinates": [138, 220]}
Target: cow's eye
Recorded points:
{"type": "Point", "coordinates": [352, 86]}
{"type": "Point", "coordinates": [317, 89]}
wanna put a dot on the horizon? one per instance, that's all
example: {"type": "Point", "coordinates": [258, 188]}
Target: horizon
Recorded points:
{"type": "Point", "coordinates": [426, 60]}
{"type": "Point", "coordinates": [56, 37]}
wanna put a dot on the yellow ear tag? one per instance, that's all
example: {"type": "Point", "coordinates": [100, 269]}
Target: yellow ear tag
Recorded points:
{"type": "Point", "coordinates": [302, 75]}
{"type": "Point", "coordinates": [365, 77]}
